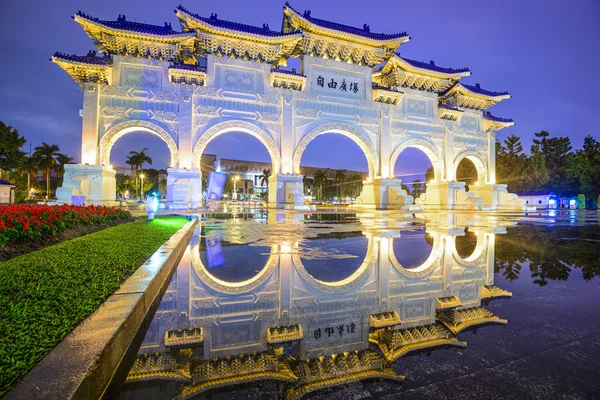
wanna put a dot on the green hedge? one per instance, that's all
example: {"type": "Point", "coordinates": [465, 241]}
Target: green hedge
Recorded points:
{"type": "Point", "coordinates": [46, 293]}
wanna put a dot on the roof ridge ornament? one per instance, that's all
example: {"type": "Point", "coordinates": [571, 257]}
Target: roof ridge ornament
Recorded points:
{"type": "Point", "coordinates": [366, 28]}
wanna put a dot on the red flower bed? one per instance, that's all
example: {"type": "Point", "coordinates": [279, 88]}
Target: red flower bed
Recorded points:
{"type": "Point", "coordinates": [36, 221]}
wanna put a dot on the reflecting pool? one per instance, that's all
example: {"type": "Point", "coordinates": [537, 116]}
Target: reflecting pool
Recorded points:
{"type": "Point", "coordinates": [283, 305]}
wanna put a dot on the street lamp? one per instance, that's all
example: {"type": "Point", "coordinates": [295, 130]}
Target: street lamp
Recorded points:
{"type": "Point", "coordinates": [235, 179]}
{"type": "Point", "coordinates": [142, 189]}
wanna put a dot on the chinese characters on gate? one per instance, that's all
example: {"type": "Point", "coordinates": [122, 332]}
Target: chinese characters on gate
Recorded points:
{"type": "Point", "coordinates": [343, 85]}
{"type": "Point", "coordinates": [340, 330]}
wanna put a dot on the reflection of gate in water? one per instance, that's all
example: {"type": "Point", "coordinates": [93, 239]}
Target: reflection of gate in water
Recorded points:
{"type": "Point", "coordinates": [381, 304]}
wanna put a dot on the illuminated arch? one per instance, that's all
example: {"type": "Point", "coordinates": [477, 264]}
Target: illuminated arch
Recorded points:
{"type": "Point", "coordinates": [478, 254]}
{"type": "Point", "coordinates": [430, 150]}
{"type": "Point", "coordinates": [221, 128]}
{"type": "Point", "coordinates": [115, 132]}
{"type": "Point", "coordinates": [428, 266]}
{"type": "Point", "coordinates": [348, 283]}
{"type": "Point", "coordinates": [225, 287]}
{"type": "Point", "coordinates": [478, 160]}
{"type": "Point", "coordinates": [350, 131]}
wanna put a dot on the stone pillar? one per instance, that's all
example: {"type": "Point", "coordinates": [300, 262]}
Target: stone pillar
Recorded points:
{"type": "Point", "coordinates": [186, 132]}
{"type": "Point", "coordinates": [95, 182]}
{"type": "Point", "coordinates": [384, 194]}
{"type": "Point", "coordinates": [449, 174]}
{"type": "Point", "coordinates": [286, 191]}
{"type": "Point", "coordinates": [184, 189]}
{"type": "Point", "coordinates": [287, 136]}
{"type": "Point", "coordinates": [385, 146]}
{"type": "Point", "coordinates": [491, 156]}
{"type": "Point", "coordinates": [89, 125]}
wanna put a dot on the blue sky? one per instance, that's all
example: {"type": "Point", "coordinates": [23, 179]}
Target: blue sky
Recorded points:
{"type": "Point", "coordinates": [545, 53]}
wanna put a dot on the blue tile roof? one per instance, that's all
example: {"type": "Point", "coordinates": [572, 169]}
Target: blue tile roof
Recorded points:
{"type": "Point", "coordinates": [432, 67]}
{"type": "Point", "coordinates": [188, 67]}
{"type": "Point", "coordinates": [122, 24]}
{"type": "Point", "coordinates": [5, 182]}
{"type": "Point", "coordinates": [90, 58]}
{"type": "Point", "coordinates": [235, 26]}
{"type": "Point", "coordinates": [477, 89]}
{"type": "Point", "coordinates": [365, 31]}
{"type": "Point", "coordinates": [283, 71]}
{"type": "Point", "coordinates": [488, 115]}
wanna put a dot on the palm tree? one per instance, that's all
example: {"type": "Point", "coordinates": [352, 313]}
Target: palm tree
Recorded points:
{"type": "Point", "coordinates": [45, 155]}
{"type": "Point", "coordinates": [138, 159]}
{"type": "Point", "coordinates": [62, 160]}
{"type": "Point", "coordinates": [30, 167]}
{"type": "Point", "coordinates": [264, 178]}
{"type": "Point", "coordinates": [319, 180]}
{"type": "Point", "coordinates": [339, 178]}
{"type": "Point", "coordinates": [356, 180]}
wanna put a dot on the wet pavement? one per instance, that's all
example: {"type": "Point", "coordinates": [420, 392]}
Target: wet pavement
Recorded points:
{"type": "Point", "coordinates": [380, 305]}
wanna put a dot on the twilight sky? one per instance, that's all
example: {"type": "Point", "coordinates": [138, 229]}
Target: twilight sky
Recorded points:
{"type": "Point", "coordinates": [546, 53]}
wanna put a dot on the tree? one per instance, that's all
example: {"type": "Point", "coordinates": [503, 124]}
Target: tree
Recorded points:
{"type": "Point", "coordinates": [536, 175]}
{"type": "Point", "coordinates": [125, 184]}
{"type": "Point", "coordinates": [581, 201]}
{"type": "Point", "coordinates": [511, 163]}
{"type": "Point", "coordinates": [466, 172]}
{"type": "Point", "coordinates": [356, 184]}
{"type": "Point", "coordinates": [264, 179]}
{"type": "Point", "coordinates": [29, 167]}
{"type": "Point", "coordinates": [339, 178]}
{"type": "Point", "coordinates": [417, 188]}
{"type": "Point", "coordinates": [11, 155]}
{"type": "Point", "coordinates": [61, 161]}
{"type": "Point", "coordinates": [584, 167]}
{"type": "Point", "coordinates": [429, 174]}
{"type": "Point", "coordinates": [45, 155]}
{"type": "Point", "coordinates": [138, 159]}
{"type": "Point", "coordinates": [319, 179]}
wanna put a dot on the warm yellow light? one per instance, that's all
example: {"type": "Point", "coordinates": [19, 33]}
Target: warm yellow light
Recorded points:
{"type": "Point", "coordinates": [477, 183]}
{"type": "Point", "coordinates": [236, 178]}
{"type": "Point", "coordinates": [142, 176]}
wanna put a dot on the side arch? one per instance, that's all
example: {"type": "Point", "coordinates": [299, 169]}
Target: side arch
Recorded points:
{"type": "Point", "coordinates": [357, 135]}
{"type": "Point", "coordinates": [236, 126]}
{"type": "Point", "coordinates": [117, 131]}
{"type": "Point", "coordinates": [430, 150]}
{"type": "Point", "coordinates": [478, 160]}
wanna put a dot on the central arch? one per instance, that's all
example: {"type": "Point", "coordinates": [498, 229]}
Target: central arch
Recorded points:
{"type": "Point", "coordinates": [221, 128]}
{"type": "Point", "coordinates": [350, 131]}
{"type": "Point", "coordinates": [119, 130]}
{"type": "Point", "coordinates": [426, 147]}
{"type": "Point", "coordinates": [478, 160]}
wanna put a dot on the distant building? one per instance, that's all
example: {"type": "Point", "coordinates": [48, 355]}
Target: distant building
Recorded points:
{"type": "Point", "coordinates": [547, 200]}
{"type": "Point", "coordinates": [7, 192]}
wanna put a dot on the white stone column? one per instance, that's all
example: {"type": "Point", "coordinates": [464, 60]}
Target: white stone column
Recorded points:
{"type": "Point", "coordinates": [287, 136]}
{"type": "Point", "coordinates": [448, 174]}
{"type": "Point", "coordinates": [385, 146]}
{"type": "Point", "coordinates": [89, 126]}
{"type": "Point", "coordinates": [285, 282]}
{"type": "Point", "coordinates": [491, 178]}
{"type": "Point", "coordinates": [186, 133]}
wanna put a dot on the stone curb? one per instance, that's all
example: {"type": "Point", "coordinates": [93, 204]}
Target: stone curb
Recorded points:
{"type": "Point", "coordinates": [87, 361]}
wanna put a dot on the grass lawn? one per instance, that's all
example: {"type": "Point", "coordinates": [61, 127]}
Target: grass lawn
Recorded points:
{"type": "Point", "coordinates": [46, 293]}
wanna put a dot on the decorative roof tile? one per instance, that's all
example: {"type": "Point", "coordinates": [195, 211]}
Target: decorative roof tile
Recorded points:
{"type": "Point", "coordinates": [234, 26]}
{"type": "Point", "coordinates": [283, 71]}
{"type": "Point", "coordinates": [488, 115]}
{"type": "Point", "coordinates": [432, 67]}
{"type": "Point", "coordinates": [187, 67]}
{"type": "Point", "coordinates": [365, 31]}
{"type": "Point", "coordinates": [477, 89]}
{"type": "Point", "coordinates": [380, 87]}
{"type": "Point", "coordinates": [448, 107]}
{"type": "Point", "coordinates": [90, 58]}
{"type": "Point", "coordinates": [122, 24]}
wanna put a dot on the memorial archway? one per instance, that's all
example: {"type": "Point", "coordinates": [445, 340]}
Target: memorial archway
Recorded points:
{"type": "Point", "coordinates": [117, 131]}
{"type": "Point", "coordinates": [224, 127]}
{"type": "Point", "coordinates": [348, 130]}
